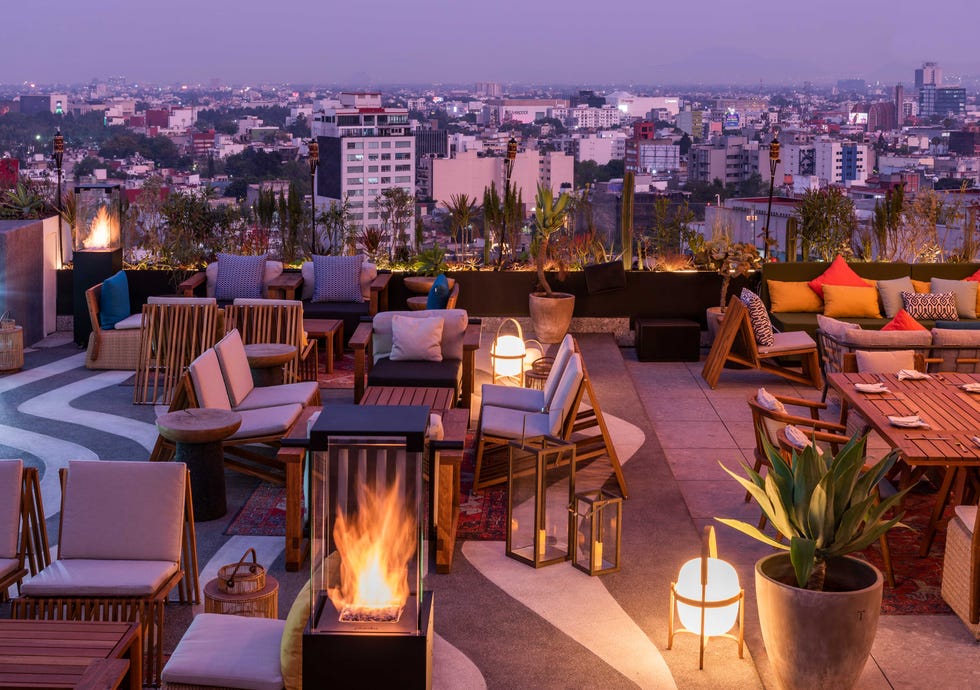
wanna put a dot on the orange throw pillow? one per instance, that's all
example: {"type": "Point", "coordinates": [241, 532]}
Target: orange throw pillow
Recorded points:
{"type": "Point", "coordinates": [838, 273]}
{"type": "Point", "coordinates": [903, 322]}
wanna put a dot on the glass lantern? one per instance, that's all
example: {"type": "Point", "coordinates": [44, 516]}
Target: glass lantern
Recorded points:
{"type": "Point", "coordinates": [540, 488]}
{"type": "Point", "coordinates": [98, 212]}
{"type": "Point", "coordinates": [598, 529]}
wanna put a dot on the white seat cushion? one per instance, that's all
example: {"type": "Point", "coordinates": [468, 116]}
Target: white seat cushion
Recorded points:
{"type": "Point", "coordinates": [11, 472]}
{"type": "Point", "coordinates": [130, 322]}
{"type": "Point", "coordinates": [234, 367]}
{"type": "Point", "coordinates": [562, 356]}
{"type": "Point", "coordinates": [793, 340]}
{"type": "Point", "coordinates": [302, 392]}
{"type": "Point", "coordinates": [529, 399]}
{"type": "Point", "coordinates": [267, 421]}
{"type": "Point", "coordinates": [968, 514]}
{"type": "Point", "coordinates": [88, 577]}
{"type": "Point", "coordinates": [507, 423]}
{"type": "Point", "coordinates": [884, 361]}
{"type": "Point", "coordinates": [208, 381]}
{"type": "Point", "coordinates": [8, 565]}
{"type": "Point", "coordinates": [228, 651]}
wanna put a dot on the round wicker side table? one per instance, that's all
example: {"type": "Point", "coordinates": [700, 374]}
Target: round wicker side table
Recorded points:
{"type": "Point", "coordinates": [536, 376]}
{"type": "Point", "coordinates": [263, 603]}
{"type": "Point", "coordinates": [11, 348]}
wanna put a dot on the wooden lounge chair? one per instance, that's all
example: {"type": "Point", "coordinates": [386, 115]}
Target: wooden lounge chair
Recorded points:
{"type": "Point", "coordinates": [736, 343]}
{"type": "Point", "coordinates": [23, 533]}
{"type": "Point", "coordinates": [275, 321]}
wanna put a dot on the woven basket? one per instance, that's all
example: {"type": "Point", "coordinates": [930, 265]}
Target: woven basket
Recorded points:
{"type": "Point", "coordinates": [242, 577]}
{"type": "Point", "coordinates": [957, 578]}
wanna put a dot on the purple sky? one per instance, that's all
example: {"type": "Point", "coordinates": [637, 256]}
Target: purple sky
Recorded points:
{"type": "Point", "coordinates": [421, 41]}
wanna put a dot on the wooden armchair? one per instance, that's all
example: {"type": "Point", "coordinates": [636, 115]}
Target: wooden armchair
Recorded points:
{"type": "Point", "coordinates": [275, 321]}
{"type": "Point", "coordinates": [23, 532]}
{"type": "Point", "coordinates": [372, 342]}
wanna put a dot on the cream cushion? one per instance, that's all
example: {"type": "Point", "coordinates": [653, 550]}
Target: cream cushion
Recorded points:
{"type": "Point", "coordinates": [788, 341]}
{"type": "Point", "coordinates": [562, 356]}
{"type": "Point", "coordinates": [527, 399]}
{"type": "Point", "coordinates": [561, 403]}
{"type": "Point", "coordinates": [968, 344]}
{"type": "Point", "coordinates": [884, 362]}
{"type": "Point", "coordinates": [235, 371]}
{"type": "Point", "coordinates": [453, 329]}
{"type": "Point", "coordinates": [130, 322]}
{"type": "Point", "coordinates": [895, 339]}
{"type": "Point", "coordinates": [835, 327]}
{"type": "Point", "coordinates": [11, 473]}
{"type": "Point", "coordinates": [9, 565]}
{"type": "Point", "coordinates": [85, 577]}
{"type": "Point", "coordinates": [208, 381]}
{"type": "Point", "coordinates": [228, 651]}
{"type": "Point", "coordinates": [267, 421]}
{"type": "Point", "coordinates": [369, 272]}
{"type": "Point", "coordinates": [507, 422]}
{"type": "Point", "coordinates": [416, 339]}
{"type": "Point", "coordinates": [301, 392]}
{"type": "Point", "coordinates": [273, 269]}
{"type": "Point", "coordinates": [123, 510]}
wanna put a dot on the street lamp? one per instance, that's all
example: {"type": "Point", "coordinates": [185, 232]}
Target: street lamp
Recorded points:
{"type": "Point", "coordinates": [58, 153]}
{"type": "Point", "coordinates": [773, 162]}
{"type": "Point", "coordinates": [752, 218]}
{"type": "Point", "coordinates": [314, 149]}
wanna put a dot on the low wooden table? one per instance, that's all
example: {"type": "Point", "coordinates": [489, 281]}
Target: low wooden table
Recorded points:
{"type": "Point", "coordinates": [331, 332]}
{"type": "Point", "coordinates": [437, 399]}
{"type": "Point", "coordinates": [198, 433]}
{"type": "Point", "coordinates": [60, 654]}
{"type": "Point", "coordinates": [267, 360]}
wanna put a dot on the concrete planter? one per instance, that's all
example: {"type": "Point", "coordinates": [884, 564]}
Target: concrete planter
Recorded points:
{"type": "Point", "coordinates": [551, 316]}
{"type": "Point", "coordinates": [818, 639]}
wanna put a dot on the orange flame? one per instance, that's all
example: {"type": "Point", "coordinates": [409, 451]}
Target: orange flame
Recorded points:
{"type": "Point", "coordinates": [375, 547]}
{"type": "Point", "coordinates": [98, 234]}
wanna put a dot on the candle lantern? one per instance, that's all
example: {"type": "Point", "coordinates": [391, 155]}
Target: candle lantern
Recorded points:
{"type": "Point", "coordinates": [540, 488]}
{"type": "Point", "coordinates": [507, 355]}
{"type": "Point", "coordinates": [598, 528]}
{"type": "Point", "coordinates": [708, 598]}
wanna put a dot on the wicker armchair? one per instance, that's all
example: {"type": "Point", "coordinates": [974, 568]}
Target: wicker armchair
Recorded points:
{"type": "Point", "coordinates": [961, 567]}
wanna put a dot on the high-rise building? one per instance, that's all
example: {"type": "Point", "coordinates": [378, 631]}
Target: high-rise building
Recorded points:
{"type": "Point", "coordinates": [488, 89]}
{"type": "Point", "coordinates": [927, 100]}
{"type": "Point", "coordinates": [364, 150]}
{"type": "Point", "coordinates": [840, 162]}
{"type": "Point", "coordinates": [950, 101]}
{"type": "Point", "coordinates": [929, 73]}
{"type": "Point", "coordinates": [899, 105]}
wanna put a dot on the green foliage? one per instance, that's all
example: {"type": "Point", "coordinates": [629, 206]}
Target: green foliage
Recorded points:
{"type": "Point", "coordinates": [159, 149]}
{"type": "Point", "coordinates": [431, 262]}
{"type": "Point", "coordinates": [461, 211]}
{"type": "Point", "coordinates": [590, 172]}
{"type": "Point", "coordinates": [396, 208]}
{"type": "Point", "coordinates": [827, 223]}
{"type": "Point", "coordinates": [629, 188]}
{"type": "Point", "coordinates": [828, 506]}
{"type": "Point", "coordinates": [24, 202]}
{"type": "Point", "coordinates": [550, 215]}
{"type": "Point", "coordinates": [729, 259]}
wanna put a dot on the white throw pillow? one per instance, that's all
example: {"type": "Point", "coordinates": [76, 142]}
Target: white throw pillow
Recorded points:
{"type": "Point", "coordinates": [416, 339]}
{"type": "Point", "coordinates": [884, 362]}
{"type": "Point", "coordinates": [769, 401]}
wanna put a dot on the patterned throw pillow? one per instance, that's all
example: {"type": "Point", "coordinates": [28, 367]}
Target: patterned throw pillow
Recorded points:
{"type": "Point", "coordinates": [337, 278]}
{"type": "Point", "coordinates": [239, 277]}
{"type": "Point", "coordinates": [931, 305]}
{"type": "Point", "coordinates": [761, 325]}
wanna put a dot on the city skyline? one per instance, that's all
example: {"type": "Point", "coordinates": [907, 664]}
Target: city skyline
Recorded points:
{"type": "Point", "coordinates": [508, 42]}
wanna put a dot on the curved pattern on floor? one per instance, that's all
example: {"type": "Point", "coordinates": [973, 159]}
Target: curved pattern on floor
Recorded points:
{"type": "Point", "coordinates": [54, 453]}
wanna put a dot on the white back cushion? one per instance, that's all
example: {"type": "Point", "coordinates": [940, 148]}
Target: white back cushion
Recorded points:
{"type": "Point", "coordinates": [561, 404]}
{"type": "Point", "coordinates": [123, 510]}
{"type": "Point", "coordinates": [416, 339]}
{"type": "Point", "coordinates": [234, 367]}
{"type": "Point", "coordinates": [884, 362]}
{"type": "Point", "coordinates": [453, 329]}
{"type": "Point", "coordinates": [565, 351]}
{"type": "Point", "coordinates": [208, 382]}
{"type": "Point", "coordinates": [11, 473]}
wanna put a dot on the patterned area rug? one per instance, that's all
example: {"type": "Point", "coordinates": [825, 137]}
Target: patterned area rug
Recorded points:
{"type": "Point", "coordinates": [482, 515]}
{"type": "Point", "coordinates": [343, 372]}
{"type": "Point", "coordinates": [917, 580]}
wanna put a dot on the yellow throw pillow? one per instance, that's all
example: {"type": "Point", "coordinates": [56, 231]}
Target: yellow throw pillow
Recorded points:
{"type": "Point", "coordinates": [844, 301]}
{"type": "Point", "coordinates": [794, 297]}
{"type": "Point", "coordinates": [922, 286]}
{"type": "Point", "coordinates": [291, 651]}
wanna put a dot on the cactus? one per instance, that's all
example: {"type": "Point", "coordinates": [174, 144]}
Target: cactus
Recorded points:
{"type": "Point", "coordinates": [629, 185]}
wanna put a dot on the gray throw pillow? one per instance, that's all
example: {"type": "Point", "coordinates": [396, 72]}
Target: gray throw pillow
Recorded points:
{"type": "Point", "coordinates": [965, 292]}
{"type": "Point", "coordinates": [891, 291]}
{"type": "Point", "coordinates": [337, 278]}
{"type": "Point", "coordinates": [239, 277]}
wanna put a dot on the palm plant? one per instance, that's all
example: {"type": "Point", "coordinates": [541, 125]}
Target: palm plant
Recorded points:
{"type": "Point", "coordinates": [550, 215]}
{"type": "Point", "coordinates": [827, 505]}
{"type": "Point", "coordinates": [461, 209]}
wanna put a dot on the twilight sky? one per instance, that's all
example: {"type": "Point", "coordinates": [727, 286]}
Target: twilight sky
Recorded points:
{"type": "Point", "coordinates": [423, 41]}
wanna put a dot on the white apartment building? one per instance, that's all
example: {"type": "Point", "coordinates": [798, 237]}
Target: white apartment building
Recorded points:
{"type": "Point", "coordinates": [584, 117]}
{"type": "Point", "coordinates": [840, 162]}
{"type": "Point", "coordinates": [364, 150]}
{"type": "Point", "coordinates": [602, 149]}
{"type": "Point", "coordinates": [640, 106]}
{"type": "Point", "coordinates": [523, 110]}
{"type": "Point", "coordinates": [471, 174]}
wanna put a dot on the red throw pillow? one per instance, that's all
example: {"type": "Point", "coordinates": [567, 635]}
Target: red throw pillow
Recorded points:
{"type": "Point", "coordinates": [838, 273]}
{"type": "Point", "coordinates": [975, 277]}
{"type": "Point", "coordinates": [903, 322]}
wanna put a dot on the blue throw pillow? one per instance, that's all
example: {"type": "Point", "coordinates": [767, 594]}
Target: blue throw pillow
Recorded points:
{"type": "Point", "coordinates": [114, 302]}
{"type": "Point", "coordinates": [959, 325]}
{"type": "Point", "coordinates": [438, 293]}
{"type": "Point", "coordinates": [239, 277]}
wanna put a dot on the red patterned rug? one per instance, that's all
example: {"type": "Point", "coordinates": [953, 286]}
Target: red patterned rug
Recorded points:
{"type": "Point", "coordinates": [917, 580]}
{"type": "Point", "coordinates": [264, 513]}
{"type": "Point", "coordinates": [342, 375]}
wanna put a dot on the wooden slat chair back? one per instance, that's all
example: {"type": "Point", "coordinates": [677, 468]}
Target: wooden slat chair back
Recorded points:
{"type": "Point", "coordinates": [276, 321]}
{"type": "Point", "coordinates": [735, 342]}
{"type": "Point", "coordinates": [26, 511]}
{"type": "Point", "coordinates": [173, 336]}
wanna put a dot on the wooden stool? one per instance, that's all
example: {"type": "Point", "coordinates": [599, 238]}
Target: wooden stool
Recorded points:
{"type": "Point", "coordinates": [198, 433]}
{"type": "Point", "coordinates": [267, 360]}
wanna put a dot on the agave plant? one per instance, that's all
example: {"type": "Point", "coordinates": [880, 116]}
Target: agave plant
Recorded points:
{"type": "Point", "coordinates": [550, 215]}
{"type": "Point", "coordinates": [828, 506]}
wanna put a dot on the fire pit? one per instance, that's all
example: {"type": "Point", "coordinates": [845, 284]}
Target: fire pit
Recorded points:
{"type": "Point", "coordinates": [370, 622]}
{"type": "Point", "coordinates": [96, 246]}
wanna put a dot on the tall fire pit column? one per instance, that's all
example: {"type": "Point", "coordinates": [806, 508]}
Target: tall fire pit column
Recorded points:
{"type": "Point", "coordinates": [97, 245]}
{"type": "Point", "coordinates": [371, 623]}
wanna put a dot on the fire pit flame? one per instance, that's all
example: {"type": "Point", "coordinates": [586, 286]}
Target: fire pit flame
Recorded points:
{"type": "Point", "coordinates": [375, 546]}
{"type": "Point", "coordinates": [99, 235]}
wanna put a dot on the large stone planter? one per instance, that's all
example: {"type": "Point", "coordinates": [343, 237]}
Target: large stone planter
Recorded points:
{"type": "Point", "coordinates": [818, 639]}
{"type": "Point", "coordinates": [551, 316]}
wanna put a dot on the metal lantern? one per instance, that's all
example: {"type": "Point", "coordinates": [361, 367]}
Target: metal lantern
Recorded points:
{"type": "Point", "coordinates": [540, 488]}
{"type": "Point", "coordinates": [507, 354]}
{"type": "Point", "coordinates": [708, 598]}
{"type": "Point", "coordinates": [598, 530]}
{"type": "Point", "coordinates": [98, 213]}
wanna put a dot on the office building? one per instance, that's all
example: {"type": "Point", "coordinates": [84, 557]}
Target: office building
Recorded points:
{"type": "Point", "coordinates": [56, 103]}
{"type": "Point", "coordinates": [929, 73]}
{"type": "Point", "coordinates": [840, 162]}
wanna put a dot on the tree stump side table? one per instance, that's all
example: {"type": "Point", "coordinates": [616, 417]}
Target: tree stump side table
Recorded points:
{"type": "Point", "coordinates": [266, 361]}
{"type": "Point", "coordinates": [198, 433]}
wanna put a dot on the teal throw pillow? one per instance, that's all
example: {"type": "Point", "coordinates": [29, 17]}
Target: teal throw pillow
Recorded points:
{"type": "Point", "coordinates": [114, 303]}
{"type": "Point", "coordinates": [438, 293]}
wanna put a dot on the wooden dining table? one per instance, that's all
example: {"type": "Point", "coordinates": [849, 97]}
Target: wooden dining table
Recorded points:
{"type": "Point", "coordinates": [951, 413]}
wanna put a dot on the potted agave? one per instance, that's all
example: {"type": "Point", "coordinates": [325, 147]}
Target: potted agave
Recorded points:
{"type": "Point", "coordinates": [819, 606]}
{"type": "Point", "coordinates": [551, 312]}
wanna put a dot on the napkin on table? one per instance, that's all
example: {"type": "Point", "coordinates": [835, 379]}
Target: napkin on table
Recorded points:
{"type": "Point", "coordinates": [871, 387]}
{"type": "Point", "coordinates": [909, 421]}
{"type": "Point", "coordinates": [912, 374]}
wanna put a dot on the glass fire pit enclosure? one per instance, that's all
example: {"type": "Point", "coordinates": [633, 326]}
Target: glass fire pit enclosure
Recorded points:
{"type": "Point", "coordinates": [96, 246]}
{"type": "Point", "coordinates": [367, 522]}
